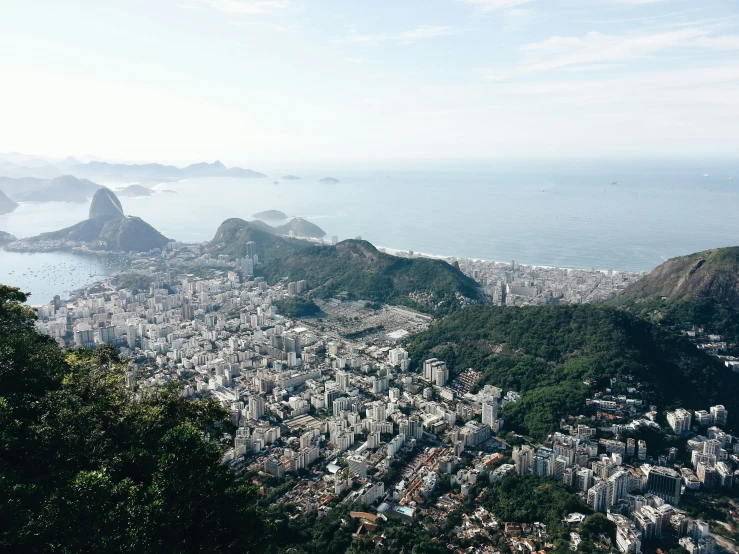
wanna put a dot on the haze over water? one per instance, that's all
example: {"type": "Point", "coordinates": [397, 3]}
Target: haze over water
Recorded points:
{"type": "Point", "coordinates": [565, 215]}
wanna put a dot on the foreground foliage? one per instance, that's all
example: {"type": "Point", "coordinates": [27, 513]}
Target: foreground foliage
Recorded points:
{"type": "Point", "coordinates": [86, 467]}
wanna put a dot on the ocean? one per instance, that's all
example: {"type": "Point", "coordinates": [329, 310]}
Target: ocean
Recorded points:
{"type": "Point", "coordinates": [609, 215]}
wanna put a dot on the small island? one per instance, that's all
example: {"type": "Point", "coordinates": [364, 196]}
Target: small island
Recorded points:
{"type": "Point", "coordinates": [270, 215]}
{"type": "Point", "coordinates": [328, 180]}
{"type": "Point", "coordinates": [290, 178]}
{"type": "Point", "coordinates": [134, 191]}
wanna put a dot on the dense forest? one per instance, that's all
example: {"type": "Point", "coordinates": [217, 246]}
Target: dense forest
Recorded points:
{"type": "Point", "coordinates": [87, 467]}
{"type": "Point", "coordinates": [547, 352]}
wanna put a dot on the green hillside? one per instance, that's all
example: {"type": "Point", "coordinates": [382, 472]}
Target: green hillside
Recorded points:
{"type": "Point", "coordinates": [355, 269]}
{"type": "Point", "coordinates": [700, 289]}
{"type": "Point", "coordinates": [546, 352]}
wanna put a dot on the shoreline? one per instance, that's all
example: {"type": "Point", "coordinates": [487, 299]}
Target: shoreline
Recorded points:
{"type": "Point", "coordinates": [388, 250]}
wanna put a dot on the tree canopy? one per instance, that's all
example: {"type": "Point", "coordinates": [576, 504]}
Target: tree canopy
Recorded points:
{"type": "Point", "coordinates": [86, 465]}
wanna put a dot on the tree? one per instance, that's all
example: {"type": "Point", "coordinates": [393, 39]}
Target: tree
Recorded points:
{"type": "Point", "coordinates": [86, 468]}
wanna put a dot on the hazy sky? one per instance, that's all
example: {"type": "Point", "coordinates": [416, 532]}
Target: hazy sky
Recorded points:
{"type": "Point", "coordinates": [263, 81]}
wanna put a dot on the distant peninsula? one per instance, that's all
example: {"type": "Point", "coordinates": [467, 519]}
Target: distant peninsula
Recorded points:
{"type": "Point", "coordinates": [135, 191]}
{"type": "Point", "coordinates": [6, 204]}
{"type": "Point", "coordinates": [66, 188]}
{"type": "Point", "coordinates": [107, 228]}
{"type": "Point", "coordinates": [154, 171]}
{"type": "Point", "coordinates": [290, 178]}
{"type": "Point", "coordinates": [328, 180]}
{"type": "Point", "coordinates": [270, 215]}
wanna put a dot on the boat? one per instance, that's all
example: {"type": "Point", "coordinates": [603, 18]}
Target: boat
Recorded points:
{"type": "Point", "coordinates": [706, 175]}
{"type": "Point", "coordinates": [276, 183]}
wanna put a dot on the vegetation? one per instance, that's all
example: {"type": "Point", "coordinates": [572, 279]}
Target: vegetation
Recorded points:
{"type": "Point", "coordinates": [547, 352]}
{"type": "Point", "coordinates": [297, 306]}
{"type": "Point", "coordinates": [85, 468]}
{"type": "Point", "coordinates": [701, 289]}
{"type": "Point", "coordinates": [530, 499]}
{"type": "Point", "coordinates": [134, 282]}
{"type": "Point", "coordinates": [355, 270]}
{"type": "Point", "coordinates": [685, 313]}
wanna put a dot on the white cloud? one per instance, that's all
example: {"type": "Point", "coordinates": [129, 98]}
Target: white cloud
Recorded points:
{"type": "Point", "coordinates": [250, 7]}
{"type": "Point", "coordinates": [425, 32]}
{"type": "Point", "coordinates": [595, 51]}
{"type": "Point", "coordinates": [491, 5]}
{"type": "Point", "coordinates": [420, 32]}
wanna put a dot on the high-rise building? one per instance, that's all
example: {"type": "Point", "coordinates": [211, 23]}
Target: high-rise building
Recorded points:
{"type": "Point", "coordinates": [523, 457]}
{"type": "Point", "coordinates": [719, 415]}
{"type": "Point", "coordinates": [489, 412]}
{"type": "Point", "coordinates": [256, 407]}
{"type": "Point", "coordinates": [397, 355]}
{"type": "Point", "coordinates": [251, 249]}
{"type": "Point", "coordinates": [664, 482]}
{"type": "Point", "coordinates": [377, 411]}
{"type": "Point", "coordinates": [273, 466]}
{"type": "Point", "coordinates": [598, 496]}
{"type": "Point", "coordinates": [642, 451]}
{"type": "Point", "coordinates": [617, 484]}
{"type": "Point", "coordinates": [541, 465]}
{"type": "Point", "coordinates": [343, 379]}
{"type": "Point", "coordinates": [679, 420]}
{"type": "Point", "coordinates": [357, 466]}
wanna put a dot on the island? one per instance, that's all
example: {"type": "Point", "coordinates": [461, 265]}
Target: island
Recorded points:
{"type": "Point", "coordinates": [135, 191]}
{"type": "Point", "coordinates": [328, 180]}
{"type": "Point", "coordinates": [290, 178]}
{"type": "Point", "coordinates": [270, 215]}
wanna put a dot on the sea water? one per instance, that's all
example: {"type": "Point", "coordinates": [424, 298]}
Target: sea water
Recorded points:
{"type": "Point", "coordinates": [609, 215]}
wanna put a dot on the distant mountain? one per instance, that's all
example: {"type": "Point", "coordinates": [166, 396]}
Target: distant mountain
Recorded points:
{"type": "Point", "coordinates": [700, 289]}
{"type": "Point", "coordinates": [60, 189]}
{"type": "Point", "coordinates": [135, 191]}
{"type": "Point", "coordinates": [301, 228]}
{"type": "Point", "coordinates": [233, 234]}
{"type": "Point", "coordinates": [107, 228]}
{"type": "Point", "coordinates": [104, 170]}
{"type": "Point", "coordinates": [354, 269]}
{"type": "Point", "coordinates": [290, 178]}
{"type": "Point", "coordinates": [328, 180]}
{"type": "Point", "coordinates": [6, 204]}
{"type": "Point", "coordinates": [24, 160]}
{"type": "Point", "coordinates": [6, 238]}
{"type": "Point", "coordinates": [9, 169]}
{"type": "Point", "coordinates": [270, 215]}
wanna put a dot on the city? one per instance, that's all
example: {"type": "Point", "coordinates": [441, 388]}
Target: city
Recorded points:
{"type": "Point", "coordinates": [333, 407]}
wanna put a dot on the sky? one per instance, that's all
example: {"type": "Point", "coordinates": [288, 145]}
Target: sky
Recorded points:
{"type": "Point", "coordinates": [253, 82]}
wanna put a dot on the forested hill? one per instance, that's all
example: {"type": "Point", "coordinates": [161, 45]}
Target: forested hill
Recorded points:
{"type": "Point", "coordinates": [85, 467]}
{"type": "Point", "coordinates": [700, 289]}
{"type": "Point", "coordinates": [547, 352]}
{"type": "Point", "coordinates": [354, 269]}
